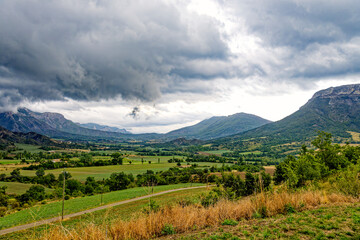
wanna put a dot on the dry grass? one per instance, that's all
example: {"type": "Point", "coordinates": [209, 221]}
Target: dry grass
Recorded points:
{"type": "Point", "coordinates": [185, 219]}
{"type": "Point", "coordinates": [355, 135]}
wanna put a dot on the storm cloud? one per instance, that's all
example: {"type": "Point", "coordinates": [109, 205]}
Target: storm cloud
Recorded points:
{"type": "Point", "coordinates": [91, 50]}
{"type": "Point", "coordinates": [308, 40]}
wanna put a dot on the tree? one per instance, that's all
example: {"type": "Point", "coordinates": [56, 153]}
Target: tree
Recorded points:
{"type": "Point", "coordinates": [73, 186]}
{"type": "Point", "coordinates": [119, 181]}
{"type": "Point", "coordinates": [328, 153]}
{"type": "Point", "coordinates": [61, 176]}
{"type": "Point", "coordinates": [116, 159]}
{"type": "Point", "coordinates": [265, 180]}
{"type": "Point", "coordinates": [86, 159]}
{"type": "Point", "coordinates": [15, 173]}
{"type": "Point", "coordinates": [250, 184]}
{"type": "Point", "coordinates": [40, 172]}
{"type": "Point", "coordinates": [3, 196]}
{"type": "Point", "coordinates": [36, 192]}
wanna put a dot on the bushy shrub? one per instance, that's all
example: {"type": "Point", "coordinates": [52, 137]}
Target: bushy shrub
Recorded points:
{"type": "Point", "coordinates": [3, 211]}
{"type": "Point", "coordinates": [347, 181]}
{"type": "Point", "coordinates": [230, 222]}
{"type": "Point", "coordinates": [168, 229]}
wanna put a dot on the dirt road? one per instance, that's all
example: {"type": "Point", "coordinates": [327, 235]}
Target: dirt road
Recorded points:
{"type": "Point", "coordinates": [54, 219]}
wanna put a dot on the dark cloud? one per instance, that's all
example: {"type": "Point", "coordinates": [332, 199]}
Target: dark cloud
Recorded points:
{"type": "Point", "coordinates": [135, 112]}
{"type": "Point", "coordinates": [99, 50]}
{"type": "Point", "coordinates": [300, 23]}
{"type": "Point", "coordinates": [92, 50]}
{"type": "Point", "coordinates": [309, 40]}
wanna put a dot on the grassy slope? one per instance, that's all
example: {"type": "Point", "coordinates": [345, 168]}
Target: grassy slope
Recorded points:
{"type": "Point", "coordinates": [331, 222]}
{"type": "Point", "coordinates": [123, 212]}
{"type": "Point", "coordinates": [19, 188]}
{"type": "Point", "coordinates": [77, 204]}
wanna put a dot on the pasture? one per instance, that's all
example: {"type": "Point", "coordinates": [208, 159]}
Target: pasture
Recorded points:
{"type": "Point", "coordinates": [9, 161]}
{"type": "Point", "coordinates": [28, 148]}
{"type": "Point", "coordinates": [19, 188]}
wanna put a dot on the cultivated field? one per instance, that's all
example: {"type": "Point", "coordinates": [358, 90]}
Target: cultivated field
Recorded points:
{"type": "Point", "coordinates": [103, 172]}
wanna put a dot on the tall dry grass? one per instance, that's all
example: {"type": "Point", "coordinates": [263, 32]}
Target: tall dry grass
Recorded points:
{"type": "Point", "coordinates": [187, 218]}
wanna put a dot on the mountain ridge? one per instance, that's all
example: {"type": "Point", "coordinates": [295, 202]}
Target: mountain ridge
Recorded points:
{"type": "Point", "coordinates": [335, 110]}
{"type": "Point", "coordinates": [104, 128]}
{"type": "Point", "coordinates": [57, 126]}
{"type": "Point", "coordinates": [220, 126]}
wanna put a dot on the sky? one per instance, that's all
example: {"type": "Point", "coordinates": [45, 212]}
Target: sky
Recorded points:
{"type": "Point", "coordinates": [155, 66]}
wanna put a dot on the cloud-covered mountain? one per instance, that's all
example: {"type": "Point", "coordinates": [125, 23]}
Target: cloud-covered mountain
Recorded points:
{"type": "Point", "coordinates": [51, 124]}
{"type": "Point", "coordinates": [105, 128]}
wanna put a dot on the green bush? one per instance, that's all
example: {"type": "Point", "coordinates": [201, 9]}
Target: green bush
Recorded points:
{"type": "Point", "coordinates": [230, 222]}
{"type": "Point", "coordinates": [3, 211]}
{"type": "Point", "coordinates": [152, 207]}
{"type": "Point", "coordinates": [210, 199]}
{"type": "Point", "coordinates": [168, 229]}
{"type": "Point", "coordinates": [288, 208]}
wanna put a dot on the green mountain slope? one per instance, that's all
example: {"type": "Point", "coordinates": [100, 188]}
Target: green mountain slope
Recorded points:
{"type": "Point", "coordinates": [335, 110]}
{"type": "Point", "coordinates": [9, 138]}
{"type": "Point", "coordinates": [217, 127]}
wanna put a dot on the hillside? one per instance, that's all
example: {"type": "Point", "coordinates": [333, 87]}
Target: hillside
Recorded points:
{"type": "Point", "coordinates": [335, 110]}
{"type": "Point", "coordinates": [217, 127]}
{"type": "Point", "coordinates": [9, 138]}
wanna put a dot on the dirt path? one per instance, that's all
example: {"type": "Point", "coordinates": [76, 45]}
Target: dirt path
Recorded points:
{"type": "Point", "coordinates": [54, 219]}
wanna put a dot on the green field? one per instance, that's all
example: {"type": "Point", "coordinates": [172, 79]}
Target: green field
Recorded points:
{"type": "Point", "coordinates": [28, 148]}
{"type": "Point", "coordinates": [102, 172]}
{"type": "Point", "coordinates": [9, 161]}
{"type": "Point", "coordinates": [218, 152]}
{"type": "Point", "coordinates": [53, 209]}
{"type": "Point", "coordinates": [253, 152]}
{"type": "Point", "coordinates": [19, 188]}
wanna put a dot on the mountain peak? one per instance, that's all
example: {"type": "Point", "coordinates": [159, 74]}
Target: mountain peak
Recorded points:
{"type": "Point", "coordinates": [335, 110]}
{"type": "Point", "coordinates": [346, 90]}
